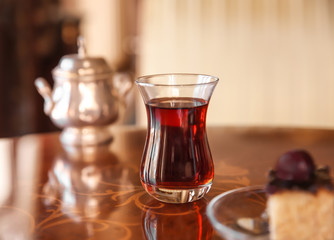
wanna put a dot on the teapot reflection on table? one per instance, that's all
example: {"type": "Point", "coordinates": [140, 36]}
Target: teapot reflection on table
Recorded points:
{"type": "Point", "coordinates": [85, 99]}
{"type": "Point", "coordinates": [80, 179]}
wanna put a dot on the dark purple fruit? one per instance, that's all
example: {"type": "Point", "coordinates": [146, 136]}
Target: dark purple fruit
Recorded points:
{"type": "Point", "coordinates": [296, 166]}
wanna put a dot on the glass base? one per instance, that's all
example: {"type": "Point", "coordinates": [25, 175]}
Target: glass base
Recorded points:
{"type": "Point", "coordinates": [183, 195]}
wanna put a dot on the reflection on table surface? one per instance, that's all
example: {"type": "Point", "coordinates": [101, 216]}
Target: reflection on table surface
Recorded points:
{"type": "Point", "coordinates": [49, 191]}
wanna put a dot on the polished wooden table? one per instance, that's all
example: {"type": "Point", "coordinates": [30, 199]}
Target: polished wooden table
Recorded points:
{"type": "Point", "coordinates": [48, 191]}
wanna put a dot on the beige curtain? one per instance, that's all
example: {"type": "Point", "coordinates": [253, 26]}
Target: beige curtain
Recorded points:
{"type": "Point", "coordinates": [275, 58]}
{"type": "Point", "coordinates": [110, 28]}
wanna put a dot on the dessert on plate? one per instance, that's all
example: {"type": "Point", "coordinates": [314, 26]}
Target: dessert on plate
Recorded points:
{"type": "Point", "coordinates": [300, 199]}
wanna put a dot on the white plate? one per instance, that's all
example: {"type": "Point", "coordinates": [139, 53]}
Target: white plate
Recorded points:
{"type": "Point", "coordinates": [225, 210]}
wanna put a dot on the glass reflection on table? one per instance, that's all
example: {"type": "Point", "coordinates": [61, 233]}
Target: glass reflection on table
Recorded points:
{"type": "Point", "coordinates": [176, 221]}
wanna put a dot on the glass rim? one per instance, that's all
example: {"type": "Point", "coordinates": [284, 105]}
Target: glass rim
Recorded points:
{"type": "Point", "coordinates": [142, 80]}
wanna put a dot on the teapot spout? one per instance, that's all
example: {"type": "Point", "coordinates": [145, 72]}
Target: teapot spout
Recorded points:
{"type": "Point", "coordinates": [44, 90]}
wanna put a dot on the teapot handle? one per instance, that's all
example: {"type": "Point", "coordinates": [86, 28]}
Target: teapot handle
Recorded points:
{"type": "Point", "coordinates": [44, 90]}
{"type": "Point", "coordinates": [123, 85]}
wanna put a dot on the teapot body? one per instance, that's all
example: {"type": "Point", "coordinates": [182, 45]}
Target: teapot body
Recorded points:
{"type": "Point", "coordinates": [84, 103]}
{"type": "Point", "coordinates": [83, 109]}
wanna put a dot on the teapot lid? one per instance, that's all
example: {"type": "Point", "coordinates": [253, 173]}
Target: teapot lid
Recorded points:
{"type": "Point", "coordinates": [81, 67]}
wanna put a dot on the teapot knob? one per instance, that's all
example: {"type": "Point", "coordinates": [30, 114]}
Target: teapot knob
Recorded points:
{"type": "Point", "coordinates": [82, 52]}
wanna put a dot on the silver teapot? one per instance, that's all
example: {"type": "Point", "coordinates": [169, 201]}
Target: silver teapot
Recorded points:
{"type": "Point", "coordinates": [85, 98]}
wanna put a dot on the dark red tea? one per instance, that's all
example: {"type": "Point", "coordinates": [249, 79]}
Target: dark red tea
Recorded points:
{"type": "Point", "coordinates": [177, 153]}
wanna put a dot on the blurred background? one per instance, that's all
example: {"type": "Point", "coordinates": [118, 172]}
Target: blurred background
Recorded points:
{"type": "Point", "coordinates": [275, 58]}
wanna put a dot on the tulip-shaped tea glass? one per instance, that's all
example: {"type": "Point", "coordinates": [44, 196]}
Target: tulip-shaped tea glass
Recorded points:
{"type": "Point", "coordinates": [176, 166]}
